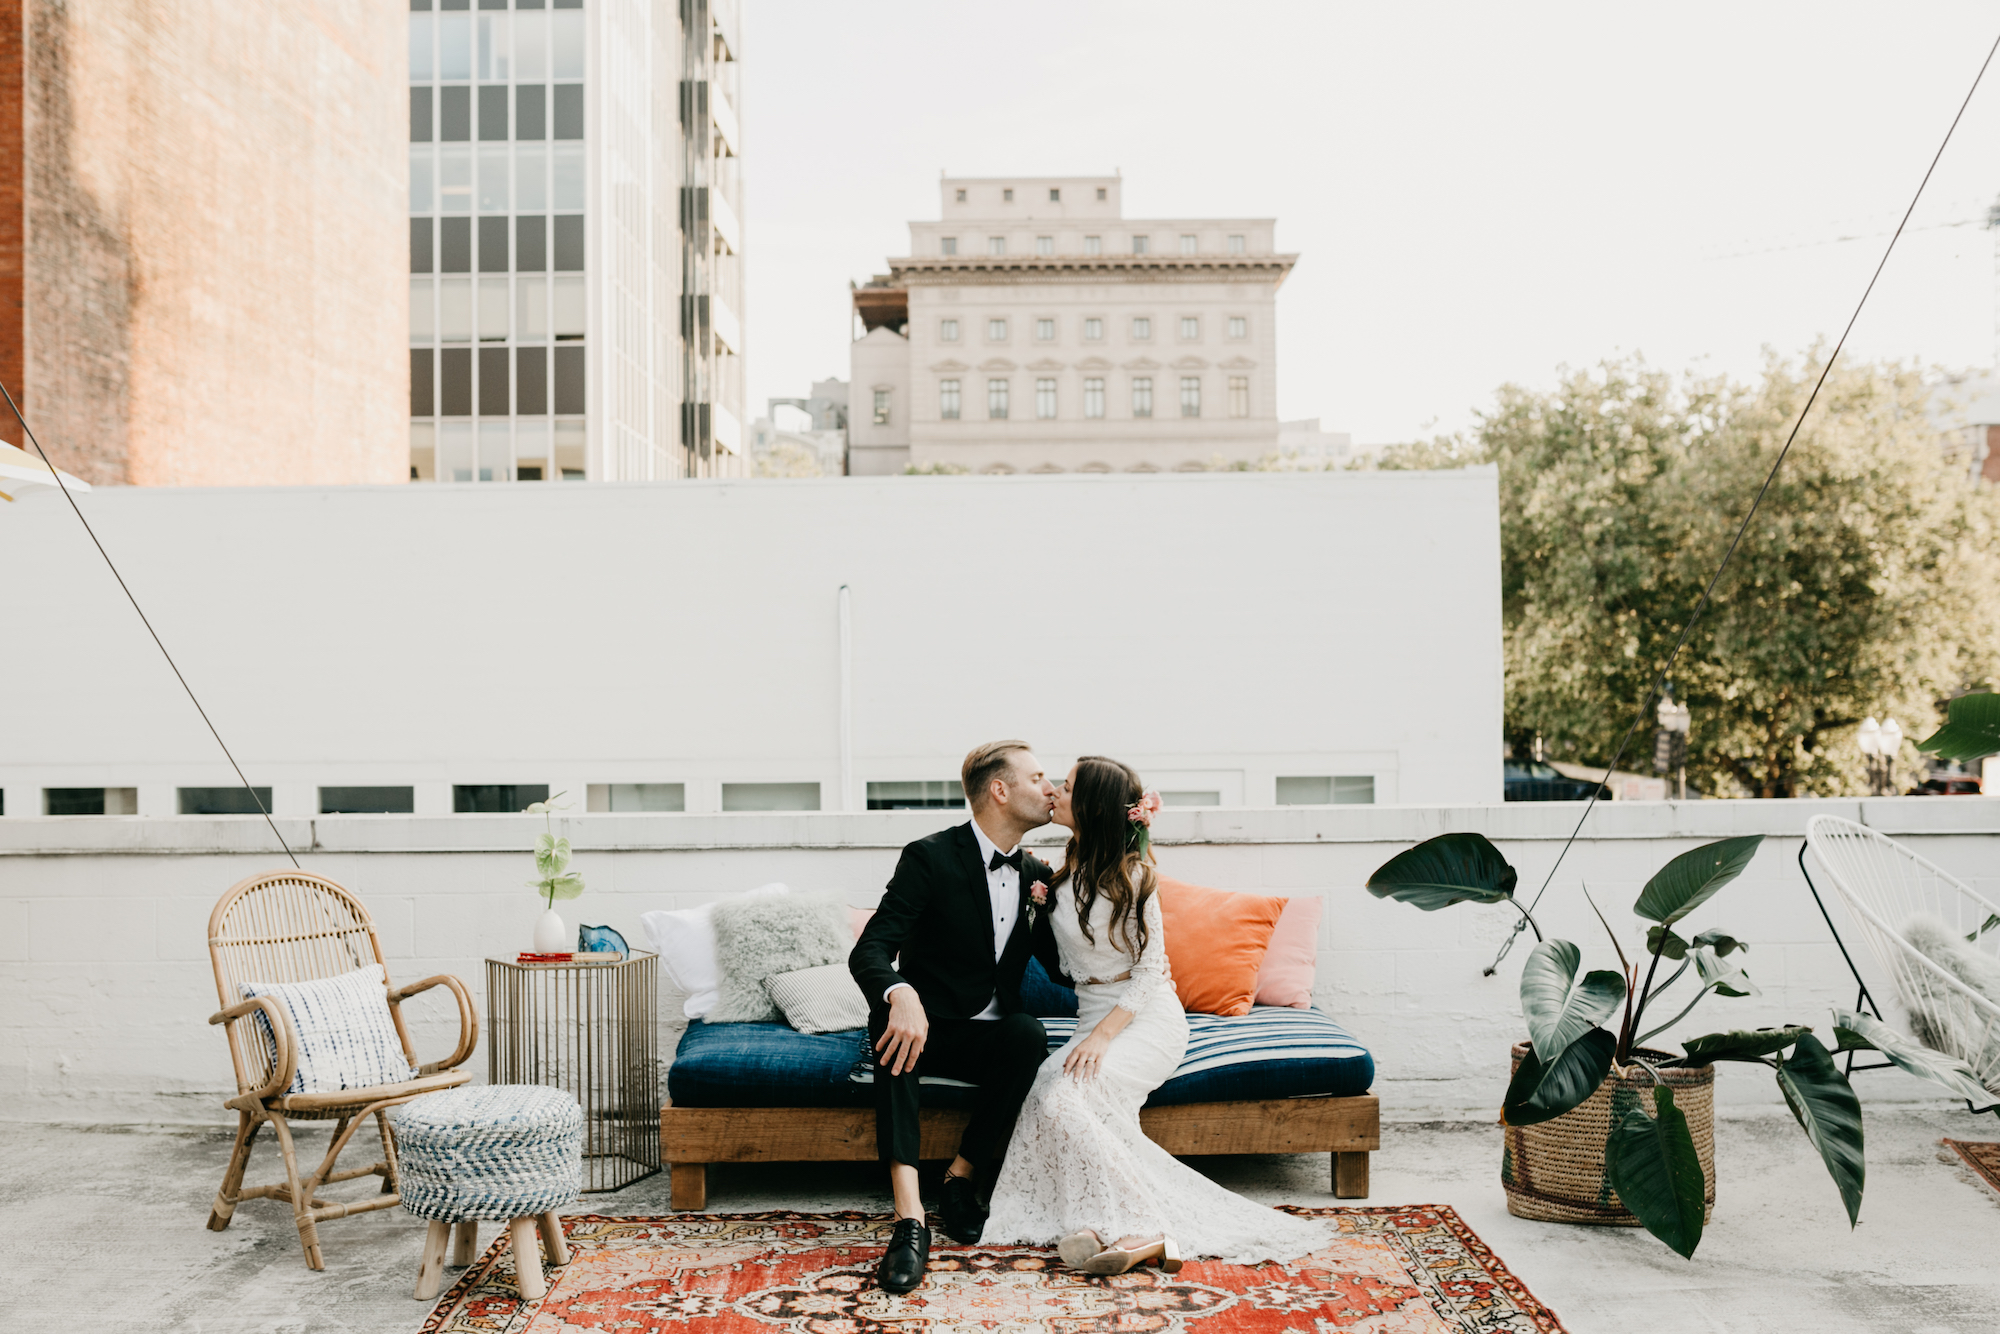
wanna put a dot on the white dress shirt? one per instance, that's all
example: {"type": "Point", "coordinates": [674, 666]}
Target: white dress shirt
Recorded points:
{"type": "Point", "coordinates": [1003, 887]}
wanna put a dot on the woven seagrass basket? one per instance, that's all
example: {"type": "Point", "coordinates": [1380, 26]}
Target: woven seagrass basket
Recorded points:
{"type": "Point", "coordinates": [1555, 1171]}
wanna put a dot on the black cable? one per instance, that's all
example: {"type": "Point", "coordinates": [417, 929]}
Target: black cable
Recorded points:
{"type": "Point", "coordinates": [1660, 678]}
{"type": "Point", "coordinates": [25, 430]}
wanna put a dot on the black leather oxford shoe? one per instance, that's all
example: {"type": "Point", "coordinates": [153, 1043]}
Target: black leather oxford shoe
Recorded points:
{"type": "Point", "coordinates": [902, 1266]}
{"type": "Point", "coordinates": [964, 1217]}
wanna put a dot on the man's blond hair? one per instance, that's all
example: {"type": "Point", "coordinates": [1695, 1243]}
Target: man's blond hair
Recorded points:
{"type": "Point", "coordinates": [985, 763]}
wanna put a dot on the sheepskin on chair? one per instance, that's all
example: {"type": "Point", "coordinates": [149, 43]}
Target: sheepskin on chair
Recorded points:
{"type": "Point", "coordinates": [1940, 1018]}
{"type": "Point", "coordinates": [755, 938]}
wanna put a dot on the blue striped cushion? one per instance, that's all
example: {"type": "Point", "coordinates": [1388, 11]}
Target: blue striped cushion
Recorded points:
{"type": "Point", "coordinates": [494, 1151]}
{"type": "Point", "coordinates": [346, 1038]}
{"type": "Point", "coordinates": [1271, 1052]}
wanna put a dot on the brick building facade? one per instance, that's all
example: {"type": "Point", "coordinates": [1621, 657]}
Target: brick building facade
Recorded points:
{"type": "Point", "coordinates": [202, 218]}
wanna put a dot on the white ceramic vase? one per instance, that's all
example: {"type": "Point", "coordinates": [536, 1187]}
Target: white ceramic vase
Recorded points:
{"type": "Point", "coordinates": [551, 935]}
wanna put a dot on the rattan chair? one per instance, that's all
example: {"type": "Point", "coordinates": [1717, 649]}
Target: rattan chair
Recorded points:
{"type": "Point", "coordinates": [289, 926]}
{"type": "Point", "coordinates": [1883, 885]}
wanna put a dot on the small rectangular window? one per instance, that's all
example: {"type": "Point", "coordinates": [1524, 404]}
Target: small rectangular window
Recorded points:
{"type": "Point", "coordinates": [1102, 194]}
{"type": "Point", "coordinates": [1055, 195]}
{"type": "Point", "coordinates": [1190, 396]}
{"type": "Point", "coordinates": [1093, 330]}
{"type": "Point", "coordinates": [881, 407]}
{"type": "Point", "coordinates": [454, 115]}
{"type": "Point", "coordinates": [636, 797]}
{"type": "Point", "coordinates": [770, 796]}
{"type": "Point", "coordinates": [531, 45]}
{"type": "Point", "coordinates": [420, 115]}
{"type": "Point", "coordinates": [528, 103]}
{"type": "Point", "coordinates": [224, 801]}
{"type": "Point", "coordinates": [531, 178]}
{"type": "Point", "coordinates": [1190, 328]}
{"type": "Point", "coordinates": [996, 245]}
{"type": "Point", "coordinates": [495, 798]}
{"type": "Point", "coordinates": [961, 196]}
{"type": "Point", "coordinates": [1045, 245]}
{"type": "Point", "coordinates": [454, 47]}
{"type": "Point", "coordinates": [1142, 327]}
{"type": "Point", "coordinates": [948, 400]}
{"type": "Point", "coordinates": [493, 111]}
{"type": "Point", "coordinates": [996, 400]}
{"type": "Point", "coordinates": [367, 800]}
{"type": "Point", "coordinates": [996, 331]}
{"type": "Point", "coordinates": [420, 46]}
{"type": "Point", "coordinates": [1239, 396]}
{"type": "Point", "coordinates": [493, 245]}
{"type": "Point", "coordinates": [455, 310]}
{"type": "Point", "coordinates": [567, 42]}
{"type": "Point", "coordinates": [494, 172]}
{"type": "Point", "coordinates": [531, 309]}
{"type": "Point", "coordinates": [1045, 331]}
{"type": "Point", "coordinates": [423, 176]}
{"type": "Point", "coordinates": [948, 331]}
{"type": "Point", "coordinates": [948, 794]}
{"type": "Point", "coordinates": [455, 387]}
{"type": "Point", "coordinates": [1189, 245]}
{"type": "Point", "coordinates": [454, 180]}
{"type": "Point", "coordinates": [1045, 399]}
{"type": "Point", "coordinates": [947, 245]}
{"type": "Point", "coordinates": [423, 367]}
{"type": "Point", "coordinates": [568, 117]}
{"type": "Point", "coordinates": [566, 163]}
{"type": "Point", "coordinates": [1093, 398]}
{"type": "Point", "coordinates": [423, 316]}
{"type": "Point", "coordinates": [1236, 247]}
{"type": "Point", "coordinates": [1239, 327]}
{"type": "Point", "coordinates": [569, 386]}
{"type": "Point", "coordinates": [1142, 396]}
{"type": "Point", "coordinates": [569, 243]}
{"type": "Point", "coordinates": [1093, 245]}
{"type": "Point", "coordinates": [420, 245]}
{"type": "Point", "coordinates": [454, 452]}
{"type": "Point", "coordinates": [1341, 790]}
{"type": "Point", "coordinates": [567, 308]}
{"type": "Point", "coordinates": [495, 397]}
{"type": "Point", "coordinates": [90, 801]}
{"type": "Point", "coordinates": [1007, 196]}
{"type": "Point", "coordinates": [530, 254]}
{"type": "Point", "coordinates": [531, 381]}
{"type": "Point", "coordinates": [1142, 245]}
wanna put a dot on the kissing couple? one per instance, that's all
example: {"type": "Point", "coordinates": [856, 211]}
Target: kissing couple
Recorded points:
{"type": "Point", "coordinates": [1053, 1154]}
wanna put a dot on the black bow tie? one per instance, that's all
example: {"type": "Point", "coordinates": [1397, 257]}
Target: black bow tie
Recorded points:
{"type": "Point", "coordinates": [1001, 859]}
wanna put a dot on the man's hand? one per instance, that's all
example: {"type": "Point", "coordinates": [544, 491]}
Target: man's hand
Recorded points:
{"type": "Point", "coordinates": [902, 1040]}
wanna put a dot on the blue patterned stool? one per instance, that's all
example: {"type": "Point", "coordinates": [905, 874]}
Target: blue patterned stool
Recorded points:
{"type": "Point", "coordinates": [512, 1152]}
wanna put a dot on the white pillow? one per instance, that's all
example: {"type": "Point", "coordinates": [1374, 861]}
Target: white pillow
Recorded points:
{"type": "Point", "coordinates": [819, 1000]}
{"type": "Point", "coordinates": [346, 1038]}
{"type": "Point", "coordinates": [685, 942]}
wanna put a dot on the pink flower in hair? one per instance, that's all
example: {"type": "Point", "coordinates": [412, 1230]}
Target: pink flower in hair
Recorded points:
{"type": "Point", "coordinates": [1142, 810]}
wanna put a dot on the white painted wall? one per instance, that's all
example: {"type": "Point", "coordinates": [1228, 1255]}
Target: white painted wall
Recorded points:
{"type": "Point", "coordinates": [1235, 627]}
{"type": "Point", "coordinates": [105, 984]}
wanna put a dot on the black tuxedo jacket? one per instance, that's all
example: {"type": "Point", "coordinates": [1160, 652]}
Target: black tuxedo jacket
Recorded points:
{"type": "Point", "coordinates": [938, 916]}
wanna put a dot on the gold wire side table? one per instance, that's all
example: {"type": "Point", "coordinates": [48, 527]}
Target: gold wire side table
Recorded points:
{"type": "Point", "coordinates": [588, 1028]}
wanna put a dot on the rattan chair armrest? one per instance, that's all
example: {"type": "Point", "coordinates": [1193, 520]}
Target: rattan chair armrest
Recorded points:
{"type": "Point", "coordinates": [468, 1019]}
{"type": "Point", "coordinates": [286, 1065]}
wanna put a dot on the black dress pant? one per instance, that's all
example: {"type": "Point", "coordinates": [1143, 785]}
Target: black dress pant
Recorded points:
{"type": "Point", "coordinates": [999, 1055]}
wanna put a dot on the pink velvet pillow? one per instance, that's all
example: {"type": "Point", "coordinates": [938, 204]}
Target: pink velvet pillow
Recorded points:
{"type": "Point", "coordinates": [1291, 959]}
{"type": "Point", "coordinates": [1215, 944]}
{"type": "Point", "coordinates": [858, 919]}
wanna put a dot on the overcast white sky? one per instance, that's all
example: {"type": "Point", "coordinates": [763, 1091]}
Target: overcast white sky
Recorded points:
{"type": "Point", "coordinates": [1478, 193]}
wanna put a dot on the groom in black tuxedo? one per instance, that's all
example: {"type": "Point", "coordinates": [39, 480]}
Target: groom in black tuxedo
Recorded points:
{"type": "Point", "coordinates": [958, 912]}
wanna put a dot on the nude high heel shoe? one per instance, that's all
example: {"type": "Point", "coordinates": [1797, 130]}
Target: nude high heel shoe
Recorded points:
{"type": "Point", "coordinates": [1078, 1247]}
{"type": "Point", "coordinates": [1108, 1261]}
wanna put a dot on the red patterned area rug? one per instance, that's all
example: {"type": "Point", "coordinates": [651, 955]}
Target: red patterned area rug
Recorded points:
{"type": "Point", "coordinates": [1415, 1270]}
{"type": "Point", "coordinates": [1981, 1156]}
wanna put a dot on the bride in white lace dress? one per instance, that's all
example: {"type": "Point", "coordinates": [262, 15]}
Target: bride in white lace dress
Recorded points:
{"type": "Point", "coordinates": [1079, 1171]}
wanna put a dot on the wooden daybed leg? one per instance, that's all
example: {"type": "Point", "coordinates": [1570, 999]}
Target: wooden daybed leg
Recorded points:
{"type": "Point", "coordinates": [689, 1185]}
{"type": "Point", "coordinates": [1350, 1176]}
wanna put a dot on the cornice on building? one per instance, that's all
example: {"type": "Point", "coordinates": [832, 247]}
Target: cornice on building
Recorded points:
{"type": "Point", "coordinates": [982, 270]}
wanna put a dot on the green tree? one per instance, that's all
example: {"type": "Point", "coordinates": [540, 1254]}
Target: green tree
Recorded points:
{"type": "Point", "coordinates": [1868, 583]}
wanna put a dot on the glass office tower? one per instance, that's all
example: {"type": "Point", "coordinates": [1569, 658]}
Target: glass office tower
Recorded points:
{"type": "Point", "coordinates": [575, 256]}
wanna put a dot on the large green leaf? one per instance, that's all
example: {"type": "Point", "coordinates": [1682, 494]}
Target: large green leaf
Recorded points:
{"type": "Point", "coordinates": [1861, 1032]}
{"type": "Point", "coordinates": [1674, 948]}
{"type": "Point", "coordinates": [1741, 1044]}
{"type": "Point", "coordinates": [1651, 1162]}
{"type": "Point", "coordinates": [1539, 1093]}
{"type": "Point", "coordinates": [563, 886]}
{"type": "Point", "coordinates": [1556, 1014]}
{"type": "Point", "coordinates": [1825, 1105]}
{"type": "Point", "coordinates": [1448, 869]}
{"type": "Point", "coordinates": [1722, 941]}
{"type": "Point", "coordinates": [1718, 974]}
{"type": "Point", "coordinates": [1691, 879]}
{"type": "Point", "coordinates": [1971, 729]}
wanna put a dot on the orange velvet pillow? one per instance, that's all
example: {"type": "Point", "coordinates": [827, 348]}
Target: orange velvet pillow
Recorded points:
{"type": "Point", "coordinates": [1215, 944]}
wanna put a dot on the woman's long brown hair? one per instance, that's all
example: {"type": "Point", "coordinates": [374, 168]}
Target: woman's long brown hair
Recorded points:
{"type": "Point", "coordinates": [1103, 858]}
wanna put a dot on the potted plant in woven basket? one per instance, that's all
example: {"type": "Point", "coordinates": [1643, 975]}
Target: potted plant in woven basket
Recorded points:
{"type": "Point", "coordinates": [1602, 1128]}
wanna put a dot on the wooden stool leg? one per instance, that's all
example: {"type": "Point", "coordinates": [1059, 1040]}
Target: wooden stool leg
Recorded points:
{"type": "Point", "coordinates": [466, 1242]}
{"type": "Point", "coordinates": [552, 1238]}
{"type": "Point", "coordinates": [527, 1259]}
{"type": "Point", "coordinates": [430, 1270]}
{"type": "Point", "coordinates": [1350, 1176]}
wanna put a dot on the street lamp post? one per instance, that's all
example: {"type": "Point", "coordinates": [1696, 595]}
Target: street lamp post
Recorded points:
{"type": "Point", "coordinates": [1879, 743]}
{"type": "Point", "coordinates": [1670, 743]}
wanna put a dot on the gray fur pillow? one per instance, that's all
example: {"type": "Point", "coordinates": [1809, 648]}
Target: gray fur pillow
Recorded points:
{"type": "Point", "coordinates": [755, 938]}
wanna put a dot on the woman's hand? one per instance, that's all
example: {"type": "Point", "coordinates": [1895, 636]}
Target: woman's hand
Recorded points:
{"type": "Point", "coordinates": [1087, 1056]}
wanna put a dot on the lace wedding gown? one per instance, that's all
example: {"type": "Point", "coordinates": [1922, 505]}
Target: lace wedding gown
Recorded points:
{"type": "Point", "coordinates": [1078, 1158]}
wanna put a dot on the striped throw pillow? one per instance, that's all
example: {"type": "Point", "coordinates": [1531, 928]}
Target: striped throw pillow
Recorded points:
{"type": "Point", "coordinates": [819, 1000]}
{"type": "Point", "coordinates": [346, 1037]}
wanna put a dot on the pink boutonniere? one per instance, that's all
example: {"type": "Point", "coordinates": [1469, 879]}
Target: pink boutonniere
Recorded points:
{"type": "Point", "coordinates": [1038, 894]}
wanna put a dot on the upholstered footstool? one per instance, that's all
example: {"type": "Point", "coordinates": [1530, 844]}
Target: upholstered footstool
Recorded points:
{"type": "Point", "coordinates": [509, 1152]}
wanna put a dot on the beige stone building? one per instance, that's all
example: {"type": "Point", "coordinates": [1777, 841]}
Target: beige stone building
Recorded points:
{"type": "Point", "coordinates": [202, 239]}
{"type": "Point", "coordinates": [1034, 328]}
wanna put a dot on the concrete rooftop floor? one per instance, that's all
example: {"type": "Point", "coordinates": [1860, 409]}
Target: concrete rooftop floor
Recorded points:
{"type": "Point", "coordinates": [101, 1229]}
